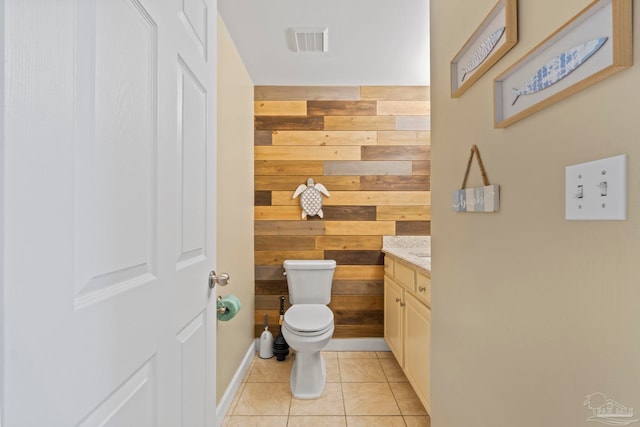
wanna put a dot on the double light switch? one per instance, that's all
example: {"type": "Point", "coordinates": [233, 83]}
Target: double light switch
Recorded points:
{"type": "Point", "coordinates": [597, 190]}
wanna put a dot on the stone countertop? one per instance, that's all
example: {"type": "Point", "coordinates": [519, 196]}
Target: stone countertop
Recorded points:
{"type": "Point", "coordinates": [412, 256]}
{"type": "Point", "coordinates": [413, 249]}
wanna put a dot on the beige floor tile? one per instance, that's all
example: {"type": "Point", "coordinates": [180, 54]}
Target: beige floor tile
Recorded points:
{"type": "Point", "coordinates": [270, 371]}
{"type": "Point", "coordinates": [407, 399]}
{"type": "Point", "coordinates": [361, 371]}
{"type": "Point", "coordinates": [256, 421]}
{"type": "Point", "coordinates": [313, 421]}
{"type": "Point", "coordinates": [236, 398]}
{"type": "Point", "coordinates": [333, 370]}
{"type": "Point", "coordinates": [369, 399]}
{"type": "Point", "coordinates": [330, 403]}
{"type": "Point", "coordinates": [329, 355]}
{"type": "Point", "coordinates": [357, 355]}
{"type": "Point", "coordinates": [375, 422]}
{"type": "Point", "coordinates": [393, 371]}
{"type": "Point", "coordinates": [264, 399]}
{"type": "Point", "coordinates": [384, 355]}
{"type": "Point", "coordinates": [417, 421]}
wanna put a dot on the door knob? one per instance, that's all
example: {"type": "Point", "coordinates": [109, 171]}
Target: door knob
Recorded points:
{"type": "Point", "coordinates": [221, 279]}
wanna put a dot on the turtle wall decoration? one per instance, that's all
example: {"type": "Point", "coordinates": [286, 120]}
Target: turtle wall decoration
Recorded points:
{"type": "Point", "coordinates": [311, 200]}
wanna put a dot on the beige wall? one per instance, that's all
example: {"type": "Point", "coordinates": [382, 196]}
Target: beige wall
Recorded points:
{"type": "Point", "coordinates": [530, 312]}
{"type": "Point", "coordinates": [235, 205]}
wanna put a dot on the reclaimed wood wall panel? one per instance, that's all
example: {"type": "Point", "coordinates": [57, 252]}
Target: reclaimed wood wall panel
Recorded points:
{"type": "Point", "coordinates": [262, 198]}
{"type": "Point", "coordinates": [278, 257]}
{"type": "Point", "coordinates": [289, 228]}
{"type": "Point", "coordinates": [274, 152]}
{"type": "Point", "coordinates": [350, 242]}
{"type": "Point", "coordinates": [288, 123]}
{"type": "Point", "coordinates": [395, 152]}
{"type": "Point", "coordinates": [349, 213]}
{"type": "Point", "coordinates": [406, 183]}
{"type": "Point", "coordinates": [413, 228]}
{"type": "Point", "coordinates": [396, 93]}
{"type": "Point", "coordinates": [262, 137]}
{"type": "Point", "coordinates": [288, 167]}
{"type": "Point", "coordinates": [280, 108]}
{"type": "Point", "coordinates": [413, 122]}
{"type": "Point", "coordinates": [357, 287]}
{"type": "Point", "coordinates": [359, 122]}
{"type": "Point", "coordinates": [421, 167]}
{"type": "Point", "coordinates": [360, 228]}
{"type": "Point", "coordinates": [342, 108]}
{"type": "Point", "coordinates": [314, 137]}
{"type": "Point", "coordinates": [370, 147]}
{"type": "Point", "coordinates": [276, 287]}
{"type": "Point", "coordinates": [304, 93]}
{"type": "Point", "coordinates": [404, 108]}
{"type": "Point", "coordinates": [404, 213]}
{"type": "Point", "coordinates": [266, 213]}
{"type": "Point", "coordinates": [368, 168]}
{"type": "Point", "coordinates": [289, 243]}
{"type": "Point", "coordinates": [289, 182]}
{"type": "Point", "coordinates": [359, 198]}
{"type": "Point", "coordinates": [360, 257]}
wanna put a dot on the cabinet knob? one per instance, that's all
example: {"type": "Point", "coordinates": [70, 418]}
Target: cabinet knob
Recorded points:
{"type": "Point", "coordinates": [397, 299]}
{"type": "Point", "coordinates": [422, 289]}
{"type": "Point", "coordinates": [402, 304]}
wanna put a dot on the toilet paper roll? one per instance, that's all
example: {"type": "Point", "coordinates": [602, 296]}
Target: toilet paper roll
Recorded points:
{"type": "Point", "coordinates": [231, 303]}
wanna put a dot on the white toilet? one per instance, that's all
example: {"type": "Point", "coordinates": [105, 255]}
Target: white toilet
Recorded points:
{"type": "Point", "coordinates": [308, 323]}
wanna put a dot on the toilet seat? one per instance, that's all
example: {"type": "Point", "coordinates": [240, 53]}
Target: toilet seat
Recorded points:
{"type": "Point", "coordinates": [308, 319]}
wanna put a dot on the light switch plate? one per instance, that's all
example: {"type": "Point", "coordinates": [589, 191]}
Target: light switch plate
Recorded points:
{"type": "Point", "coordinates": [597, 190]}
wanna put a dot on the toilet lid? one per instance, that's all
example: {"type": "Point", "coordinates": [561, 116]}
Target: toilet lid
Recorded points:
{"type": "Point", "coordinates": [308, 317]}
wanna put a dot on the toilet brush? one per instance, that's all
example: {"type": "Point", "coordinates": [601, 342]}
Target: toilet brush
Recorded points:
{"type": "Point", "coordinates": [266, 340]}
{"type": "Point", "coordinates": [280, 346]}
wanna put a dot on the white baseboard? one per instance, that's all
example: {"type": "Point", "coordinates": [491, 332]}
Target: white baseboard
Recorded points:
{"type": "Point", "coordinates": [336, 344]}
{"type": "Point", "coordinates": [233, 387]}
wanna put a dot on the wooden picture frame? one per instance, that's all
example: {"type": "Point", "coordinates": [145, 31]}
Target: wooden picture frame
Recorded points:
{"type": "Point", "coordinates": [495, 36]}
{"type": "Point", "coordinates": [593, 45]}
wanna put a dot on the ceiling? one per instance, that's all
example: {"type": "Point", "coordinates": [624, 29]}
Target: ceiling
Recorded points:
{"type": "Point", "coordinates": [370, 42]}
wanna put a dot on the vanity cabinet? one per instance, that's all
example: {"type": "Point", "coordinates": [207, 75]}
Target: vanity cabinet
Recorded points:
{"type": "Point", "coordinates": [407, 321]}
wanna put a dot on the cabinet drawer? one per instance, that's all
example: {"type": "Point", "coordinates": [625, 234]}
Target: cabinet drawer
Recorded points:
{"type": "Point", "coordinates": [388, 266]}
{"type": "Point", "coordinates": [406, 276]}
{"type": "Point", "coordinates": [423, 288]}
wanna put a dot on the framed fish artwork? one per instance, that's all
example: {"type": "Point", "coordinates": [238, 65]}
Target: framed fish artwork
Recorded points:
{"type": "Point", "coordinates": [593, 45]}
{"type": "Point", "coordinates": [497, 33]}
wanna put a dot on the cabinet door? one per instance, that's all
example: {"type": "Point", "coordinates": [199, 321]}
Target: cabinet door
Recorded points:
{"type": "Point", "coordinates": [417, 323]}
{"type": "Point", "coordinates": [393, 318]}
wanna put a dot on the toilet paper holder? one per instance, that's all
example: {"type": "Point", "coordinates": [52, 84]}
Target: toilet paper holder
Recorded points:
{"type": "Point", "coordinates": [222, 309]}
{"type": "Point", "coordinates": [221, 279]}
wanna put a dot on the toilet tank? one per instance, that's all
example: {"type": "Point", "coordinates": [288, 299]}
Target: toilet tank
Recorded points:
{"type": "Point", "coordinates": [309, 281]}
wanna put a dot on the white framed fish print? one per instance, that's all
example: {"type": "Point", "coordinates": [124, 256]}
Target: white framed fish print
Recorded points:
{"type": "Point", "coordinates": [593, 45]}
{"type": "Point", "coordinates": [493, 38]}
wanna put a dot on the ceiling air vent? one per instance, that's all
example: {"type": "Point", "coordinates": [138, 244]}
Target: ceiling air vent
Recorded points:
{"type": "Point", "coordinates": [308, 39]}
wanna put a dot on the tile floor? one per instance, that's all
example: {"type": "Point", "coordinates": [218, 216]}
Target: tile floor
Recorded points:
{"type": "Point", "coordinates": [363, 389]}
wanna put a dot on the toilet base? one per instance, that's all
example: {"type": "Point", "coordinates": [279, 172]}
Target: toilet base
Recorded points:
{"type": "Point", "coordinates": [308, 375]}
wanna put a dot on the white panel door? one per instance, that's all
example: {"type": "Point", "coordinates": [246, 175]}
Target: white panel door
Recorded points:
{"type": "Point", "coordinates": [109, 213]}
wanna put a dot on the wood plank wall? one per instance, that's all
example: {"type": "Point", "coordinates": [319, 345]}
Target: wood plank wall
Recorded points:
{"type": "Point", "coordinates": [370, 147]}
